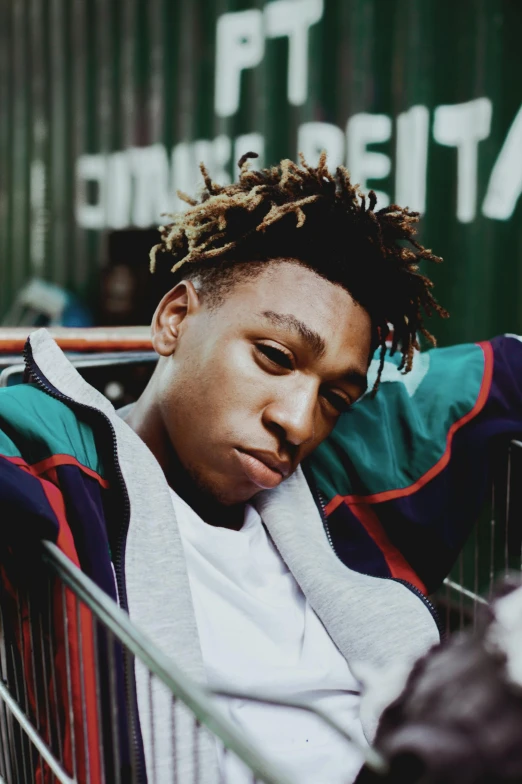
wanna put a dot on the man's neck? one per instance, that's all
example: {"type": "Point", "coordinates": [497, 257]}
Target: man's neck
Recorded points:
{"type": "Point", "coordinates": [206, 507]}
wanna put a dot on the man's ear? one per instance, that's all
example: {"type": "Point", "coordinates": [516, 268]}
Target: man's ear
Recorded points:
{"type": "Point", "coordinates": [170, 314]}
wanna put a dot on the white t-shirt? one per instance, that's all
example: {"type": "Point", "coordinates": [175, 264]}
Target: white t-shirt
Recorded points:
{"type": "Point", "coordinates": [258, 632]}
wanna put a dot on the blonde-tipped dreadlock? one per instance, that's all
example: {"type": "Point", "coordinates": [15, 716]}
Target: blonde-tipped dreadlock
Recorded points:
{"type": "Point", "coordinates": [321, 220]}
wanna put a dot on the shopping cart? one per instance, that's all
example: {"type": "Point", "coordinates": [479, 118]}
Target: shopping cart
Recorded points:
{"type": "Point", "coordinates": [62, 707]}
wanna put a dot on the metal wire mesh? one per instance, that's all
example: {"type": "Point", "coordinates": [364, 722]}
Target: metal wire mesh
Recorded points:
{"type": "Point", "coordinates": [494, 548]}
{"type": "Point", "coordinates": [66, 712]}
{"type": "Point", "coordinates": [63, 707]}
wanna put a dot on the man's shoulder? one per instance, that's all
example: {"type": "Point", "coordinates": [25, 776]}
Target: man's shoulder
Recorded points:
{"type": "Point", "coordinates": [35, 427]}
{"type": "Point", "coordinates": [27, 407]}
{"type": "Point", "coordinates": [388, 442]}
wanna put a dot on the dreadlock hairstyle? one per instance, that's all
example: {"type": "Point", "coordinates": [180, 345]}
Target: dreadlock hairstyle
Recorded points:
{"type": "Point", "coordinates": [320, 220]}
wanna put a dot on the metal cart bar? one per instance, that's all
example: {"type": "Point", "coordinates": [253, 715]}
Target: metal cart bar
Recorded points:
{"type": "Point", "coordinates": [46, 731]}
{"type": "Point", "coordinates": [35, 754]}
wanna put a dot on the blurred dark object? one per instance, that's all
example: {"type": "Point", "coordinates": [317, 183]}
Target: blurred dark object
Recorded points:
{"type": "Point", "coordinates": [130, 293]}
{"type": "Point", "coordinates": [459, 717]}
{"type": "Point", "coordinates": [43, 304]}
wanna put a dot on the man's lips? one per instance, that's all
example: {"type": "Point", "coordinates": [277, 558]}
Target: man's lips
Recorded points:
{"type": "Point", "coordinates": [263, 468]}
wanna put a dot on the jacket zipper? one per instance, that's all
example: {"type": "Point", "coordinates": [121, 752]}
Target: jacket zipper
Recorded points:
{"type": "Point", "coordinates": [413, 588]}
{"type": "Point", "coordinates": [322, 506]}
{"type": "Point", "coordinates": [41, 382]}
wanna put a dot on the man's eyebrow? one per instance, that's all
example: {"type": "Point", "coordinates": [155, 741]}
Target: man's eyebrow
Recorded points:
{"type": "Point", "coordinates": [316, 342]}
{"type": "Point", "coordinates": [310, 336]}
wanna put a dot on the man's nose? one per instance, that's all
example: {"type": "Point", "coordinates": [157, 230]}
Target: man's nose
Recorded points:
{"type": "Point", "coordinates": [294, 416]}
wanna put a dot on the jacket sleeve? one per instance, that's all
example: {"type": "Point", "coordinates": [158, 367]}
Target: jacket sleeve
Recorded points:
{"type": "Point", "coordinates": [26, 517]}
{"type": "Point", "coordinates": [412, 466]}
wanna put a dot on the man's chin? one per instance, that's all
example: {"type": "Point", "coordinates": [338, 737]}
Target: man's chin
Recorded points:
{"type": "Point", "coordinates": [230, 496]}
{"type": "Point", "coordinates": [233, 498]}
{"type": "Point", "coordinates": [220, 490]}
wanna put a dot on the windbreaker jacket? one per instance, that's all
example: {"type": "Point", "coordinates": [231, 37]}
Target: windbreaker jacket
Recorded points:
{"type": "Point", "coordinates": [369, 526]}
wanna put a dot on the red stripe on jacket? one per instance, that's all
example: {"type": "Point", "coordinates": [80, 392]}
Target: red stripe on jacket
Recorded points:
{"type": "Point", "coordinates": [397, 564]}
{"type": "Point", "coordinates": [42, 466]}
{"type": "Point", "coordinates": [77, 633]}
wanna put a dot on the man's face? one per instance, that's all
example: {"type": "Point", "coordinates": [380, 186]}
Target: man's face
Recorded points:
{"type": "Point", "coordinates": [249, 388]}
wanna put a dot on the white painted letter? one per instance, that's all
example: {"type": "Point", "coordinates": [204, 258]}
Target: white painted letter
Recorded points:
{"type": "Point", "coordinates": [220, 160]}
{"type": "Point", "coordinates": [464, 125]}
{"type": "Point", "coordinates": [505, 183]}
{"type": "Point", "coordinates": [91, 168]}
{"type": "Point", "coordinates": [152, 193]}
{"type": "Point", "coordinates": [293, 18]}
{"type": "Point", "coordinates": [412, 158]}
{"type": "Point", "coordinates": [361, 130]}
{"type": "Point", "coordinates": [240, 44]}
{"type": "Point", "coordinates": [184, 173]}
{"type": "Point", "coordinates": [314, 137]}
{"type": "Point", "coordinates": [119, 187]}
{"type": "Point", "coordinates": [38, 223]}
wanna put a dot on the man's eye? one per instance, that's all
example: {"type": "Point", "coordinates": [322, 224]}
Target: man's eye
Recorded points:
{"type": "Point", "coordinates": [276, 356]}
{"type": "Point", "coordinates": [341, 404]}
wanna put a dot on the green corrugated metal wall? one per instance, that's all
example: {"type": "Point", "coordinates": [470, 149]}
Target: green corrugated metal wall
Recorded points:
{"type": "Point", "coordinates": [107, 105]}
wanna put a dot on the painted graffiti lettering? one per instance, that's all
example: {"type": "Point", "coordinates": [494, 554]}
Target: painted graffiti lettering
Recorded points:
{"type": "Point", "coordinates": [505, 183]}
{"type": "Point", "coordinates": [363, 129]}
{"type": "Point", "coordinates": [240, 44]}
{"type": "Point", "coordinates": [135, 186]}
{"type": "Point", "coordinates": [464, 125]}
{"type": "Point", "coordinates": [411, 157]}
{"type": "Point", "coordinates": [293, 19]}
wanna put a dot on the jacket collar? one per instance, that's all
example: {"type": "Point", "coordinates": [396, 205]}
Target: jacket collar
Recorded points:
{"type": "Point", "coordinates": [158, 590]}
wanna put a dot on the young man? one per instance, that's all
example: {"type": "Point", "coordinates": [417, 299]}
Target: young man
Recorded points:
{"type": "Point", "coordinates": [265, 531]}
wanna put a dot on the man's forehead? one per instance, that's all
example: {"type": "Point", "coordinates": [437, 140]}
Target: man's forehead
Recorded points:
{"type": "Point", "coordinates": [291, 287]}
